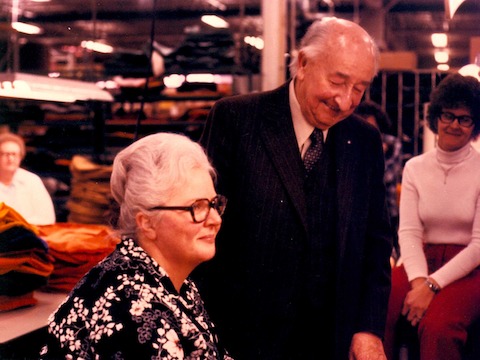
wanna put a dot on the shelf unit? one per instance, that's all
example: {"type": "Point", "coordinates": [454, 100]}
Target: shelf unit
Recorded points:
{"type": "Point", "coordinates": [102, 129]}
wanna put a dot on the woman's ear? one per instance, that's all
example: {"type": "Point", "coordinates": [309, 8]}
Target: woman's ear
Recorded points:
{"type": "Point", "coordinates": [145, 225]}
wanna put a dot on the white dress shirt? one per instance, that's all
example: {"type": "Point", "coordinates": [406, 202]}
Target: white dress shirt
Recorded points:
{"type": "Point", "coordinates": [302, 128]}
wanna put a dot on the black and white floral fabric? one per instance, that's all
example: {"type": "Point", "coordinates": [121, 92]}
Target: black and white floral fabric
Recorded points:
{"type": "Point", "coordinates": [127, 308]}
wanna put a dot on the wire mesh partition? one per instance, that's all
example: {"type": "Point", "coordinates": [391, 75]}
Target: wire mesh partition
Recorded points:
{"type": "Point", "coordinates": [403, 95]}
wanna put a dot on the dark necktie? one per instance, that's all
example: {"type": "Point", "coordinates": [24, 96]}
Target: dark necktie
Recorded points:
{"type": "Point", "coordinates": [314, 150]}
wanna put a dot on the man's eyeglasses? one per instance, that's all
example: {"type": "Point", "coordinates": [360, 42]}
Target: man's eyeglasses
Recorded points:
{"type": "Point", "coordinates": [200, 208]}
{"type": "Point", "coordinates": [448, 118]}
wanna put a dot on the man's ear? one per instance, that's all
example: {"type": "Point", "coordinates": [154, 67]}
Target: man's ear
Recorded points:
{"type": "Point", "coordinates": [145, 225]}
{"type": "Point", "coordinates": [302, 62]}
{"type": "Point", "coordinates": [302, 59]}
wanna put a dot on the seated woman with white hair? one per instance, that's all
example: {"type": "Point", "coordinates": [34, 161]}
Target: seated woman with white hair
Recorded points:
{"type": "Point", "coordinates": [139, 302]}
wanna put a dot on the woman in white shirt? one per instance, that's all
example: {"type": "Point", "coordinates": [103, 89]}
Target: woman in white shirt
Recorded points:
{"type": "Point", "coordinates": [20, 189]}
{"type": "Point", "coordinates": [437, 288]}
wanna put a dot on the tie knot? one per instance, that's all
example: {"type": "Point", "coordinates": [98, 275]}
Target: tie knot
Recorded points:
{"type": "Point", "coordinates": [316, 136]}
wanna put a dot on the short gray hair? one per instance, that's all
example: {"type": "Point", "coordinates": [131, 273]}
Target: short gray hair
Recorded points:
{"type": "Point", "coordinates": [11, 137]}
{"type": "Point", "coordinates": [315, 41]}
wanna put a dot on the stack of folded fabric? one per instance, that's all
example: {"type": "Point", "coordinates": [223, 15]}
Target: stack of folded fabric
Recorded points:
{"type": "Point", "coordinates": [90, 197]}
{"type": "Point", "coordinates": [76, 248]}
{"type": "Point", "coordinates": [25, 262]}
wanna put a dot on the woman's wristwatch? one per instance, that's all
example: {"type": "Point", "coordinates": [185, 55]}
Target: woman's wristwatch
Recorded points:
{"type": "Point", "coordinates": [432, 286]}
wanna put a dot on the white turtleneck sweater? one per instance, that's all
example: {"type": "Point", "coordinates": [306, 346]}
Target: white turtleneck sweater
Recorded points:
{"type": "Point", "coordinates": [440, 204]}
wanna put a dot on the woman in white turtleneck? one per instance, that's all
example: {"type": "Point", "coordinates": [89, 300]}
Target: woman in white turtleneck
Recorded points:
{"type": "Point", "coordinates": [437, 287]}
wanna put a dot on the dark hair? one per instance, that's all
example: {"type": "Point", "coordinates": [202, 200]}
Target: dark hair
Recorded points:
{"type": "Point", "coordinates": [453, 92]}
{"type": "Point", "coordinates": [369, 108]}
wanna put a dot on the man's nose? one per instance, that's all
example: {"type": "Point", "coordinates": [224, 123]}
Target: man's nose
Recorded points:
{"type": "Point", "coordinates": [344, 100]}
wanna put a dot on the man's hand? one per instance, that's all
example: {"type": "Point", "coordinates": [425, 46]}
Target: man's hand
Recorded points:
{"type": "Point", "coordinates": [366, 346]}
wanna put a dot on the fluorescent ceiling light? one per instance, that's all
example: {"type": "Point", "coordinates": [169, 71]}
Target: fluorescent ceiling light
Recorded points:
{"type": "Point", "coordinates": [37, 87]}
{"type": "Point", "coordinates": [441, 57]}
{"type": "Point", "coordinates": [215, 21]}
{"type": "Point", "coordinates": [174, 81]}
{"type": "Point", "coordinates": [218, 4]}
{"type": "Point", "coordinates": [26, 28]}
{"type": "Point", "coordinates": [439, 40]}
{"type": "Point", "coordinates": [443, 67]}
{"type": "Point", "coordinates": [255, 41]}
{"type": "Point", "coordinates": [97, 46]}
{"type": "Point", "coordinates": [451, 6]}
{"type": "Point", "coordinates": [200, 78]}
{"type": "Point", "coordinates": [470, 70]}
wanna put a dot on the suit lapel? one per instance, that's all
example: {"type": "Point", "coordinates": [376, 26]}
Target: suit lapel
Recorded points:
{"type": "Point", "coordinates": [278, 135]}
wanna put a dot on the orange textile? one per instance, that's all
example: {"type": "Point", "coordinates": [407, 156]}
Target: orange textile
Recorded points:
{"type": "Point", "coordinates": [10, 218]}
{"type": "Point", "coordinates": [74, 238]}
{"type": "Point", "coordinates": [14, 302]}
{"type": "Point", "coordinates": [76, 248]}
{"type": "Point", "coordinates": [32, 261]}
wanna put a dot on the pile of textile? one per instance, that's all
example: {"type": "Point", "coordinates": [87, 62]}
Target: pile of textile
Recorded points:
{"type": "Point", "coordinates": [25, 262]}
{"type": "Point", "coordinates": [76, 248]}
{"type": "Point", "coordinates": [90, 199]}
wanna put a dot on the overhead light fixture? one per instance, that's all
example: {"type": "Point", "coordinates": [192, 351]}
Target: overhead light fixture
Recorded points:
{"type": "Point", "coordinates": [441, 57]}
{"type": "Point", "coordinates": [443, 67]}
{"type": "Point", "coordinates": [37, 87]}
{"type": "Point", "coordinates": [174, 81]}
{"type": "Point", "coordinates": [97, 46]}
{"type": "Point", "coordinates": [218, 4]}
{"type": "Point", "coordinates": [255, 41]}
{"type": "Point", "coordinates": [439, 40]}
{"type": "Point", "coordinates": [470, 70]}
{"type": "Point", "coordinates": [215, 21]}
{"type": "Point", "coordinates": [26, 28]}
{"type": "Point", "coordinates": [451, 6]}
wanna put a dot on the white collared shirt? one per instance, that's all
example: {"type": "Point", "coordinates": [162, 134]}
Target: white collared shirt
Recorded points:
{"type": "Point", "coordinates": [302, 128]}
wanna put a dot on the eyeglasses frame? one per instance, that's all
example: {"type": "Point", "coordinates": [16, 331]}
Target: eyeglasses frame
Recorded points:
{"type": "Point", "coordinates": [459, 118]}
{"type": "Point", "coordinates": [211, 205]}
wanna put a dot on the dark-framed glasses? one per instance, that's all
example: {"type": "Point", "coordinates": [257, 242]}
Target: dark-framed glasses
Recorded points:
{"type": "Point", "coordinates": [463, 120]}
{"type": "Point", "coordinates": [200, 208]}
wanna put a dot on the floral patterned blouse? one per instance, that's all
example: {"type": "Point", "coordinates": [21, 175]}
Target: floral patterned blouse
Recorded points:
{"type": "Point", "coordinates": [126, 307]}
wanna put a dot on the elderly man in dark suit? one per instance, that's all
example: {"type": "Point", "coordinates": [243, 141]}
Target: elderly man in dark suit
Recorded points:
{"type": "Point", "coordinates": [302, 267]}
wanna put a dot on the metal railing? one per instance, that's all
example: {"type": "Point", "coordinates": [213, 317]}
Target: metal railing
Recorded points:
{"type": "Point", "coordinates": [403, 95]}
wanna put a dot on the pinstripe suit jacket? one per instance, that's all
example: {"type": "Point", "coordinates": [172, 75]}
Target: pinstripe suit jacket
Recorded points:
{"type": "Point", "coordinates": [253, 287]}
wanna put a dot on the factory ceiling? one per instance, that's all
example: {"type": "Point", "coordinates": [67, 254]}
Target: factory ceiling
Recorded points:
{"type": "Point", "coordinates": [130, 25]}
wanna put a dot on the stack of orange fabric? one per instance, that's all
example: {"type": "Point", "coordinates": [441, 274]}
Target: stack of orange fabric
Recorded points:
{"type": "Point", "coordinates": [25, 263]}
{"type": "Point", "coordinates": [76, 248]}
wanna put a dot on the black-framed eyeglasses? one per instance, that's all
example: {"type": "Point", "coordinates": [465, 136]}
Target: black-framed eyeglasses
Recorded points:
{"type": "Point", "coordinates": [463, 120]}
{"type": "Point", "coordinates": [200, 208]}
